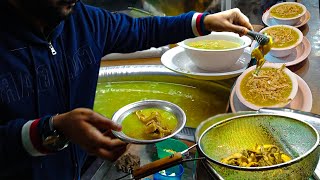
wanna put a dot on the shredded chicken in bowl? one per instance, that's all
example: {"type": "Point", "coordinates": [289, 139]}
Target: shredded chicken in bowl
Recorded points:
{"type": "Point", "coordinates": [271, 87]}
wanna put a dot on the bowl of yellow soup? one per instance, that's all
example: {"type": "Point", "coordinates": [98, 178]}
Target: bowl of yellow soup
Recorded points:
{"type": "Point", "coordinates": [275, 86]}
{"type": "Point", "coordinates": [287, 13]}
{"type": "Point", "coordinates": [285, 39]}
{"type": "Point", "coordinates": [149, 121]}
{"type": "Point", "coordinates": [217, 51]}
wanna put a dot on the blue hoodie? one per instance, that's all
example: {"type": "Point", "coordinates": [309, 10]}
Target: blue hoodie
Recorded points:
{"type": "Point", "coordinates": [42, 76]}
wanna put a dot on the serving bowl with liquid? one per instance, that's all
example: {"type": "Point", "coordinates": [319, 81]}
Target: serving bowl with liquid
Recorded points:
{"type": "Point", "coordinates": [135, 131]}
{"type": "Point", "coordinates": [247, 84]}
{"type": "Point", "coordinates": [220, 56]}
{"type": "Point", "coordinates": [285, 39]}
{"type": "Point", "coordinates": [288, 13]}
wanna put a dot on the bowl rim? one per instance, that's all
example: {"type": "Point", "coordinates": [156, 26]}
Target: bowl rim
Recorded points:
{"type": "Point", "coordinates": [252, 106]}
{"type": "Point", "coordinates": [292, 18]}
{"type": "Point", "coordinates": [263, 168]}
{"type": "Point", "coordinates": [245, 39]}
{"type": "Point", "coordinates": [143, 104]}
{"type": "Point", "coordinates": [287, 26]}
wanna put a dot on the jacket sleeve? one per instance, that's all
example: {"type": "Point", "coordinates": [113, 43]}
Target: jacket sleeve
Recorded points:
{"type": "Point", "coordinates": [117, 32]}
{"type": "Point", "coordinates": [20, 141]}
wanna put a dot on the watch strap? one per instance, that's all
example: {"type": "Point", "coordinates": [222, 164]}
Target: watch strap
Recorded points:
{"type": "Point", "coordinates": [52, 139]}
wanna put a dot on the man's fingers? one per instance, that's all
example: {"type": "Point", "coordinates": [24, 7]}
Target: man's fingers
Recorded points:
{"type": "Point", "coordinates": [245, 23]}
{"type": "Point", "coordinates": [242, 19]}
{"type": "Point", "coordinates": [109, 143]}
{"type": "Point", "coordinates": [109, 133]}
{"type": "Point", "coordinates": [237, 29]}
{"type": "Point", "coordinates": [102, 122]}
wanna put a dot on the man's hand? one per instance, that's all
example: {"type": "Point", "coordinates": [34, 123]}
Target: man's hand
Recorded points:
{"type": "Point", "coordinates": [232, 20]}
{"type": "Point", "coordinates": [92, 132]}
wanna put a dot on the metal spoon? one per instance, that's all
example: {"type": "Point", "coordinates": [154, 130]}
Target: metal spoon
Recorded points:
{"type": "Point", "coordinates": [260, 38]}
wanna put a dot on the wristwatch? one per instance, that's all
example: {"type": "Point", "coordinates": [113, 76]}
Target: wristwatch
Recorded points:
{"type": "Point", "coordinates": [52, 139]}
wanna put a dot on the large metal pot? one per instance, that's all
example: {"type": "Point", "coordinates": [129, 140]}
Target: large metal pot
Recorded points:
{"type": "Point", "coordinates": [198, 98]}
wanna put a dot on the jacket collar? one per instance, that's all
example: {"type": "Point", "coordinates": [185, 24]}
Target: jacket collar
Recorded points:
{"type": "Point", "coordinates": [14, 23]}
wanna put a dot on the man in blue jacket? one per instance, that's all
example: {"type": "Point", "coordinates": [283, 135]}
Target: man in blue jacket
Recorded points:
{"type": "Point", "coordinates": [50, 53]}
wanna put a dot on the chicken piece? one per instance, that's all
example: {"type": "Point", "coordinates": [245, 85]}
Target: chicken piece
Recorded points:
{"type": "Point", "coordinates": [140, 116]}
{"type": "Point", "coordinates": [153, 116]}
{"type": "Point", "coordinates": [151, 127]}
{"type": "Point", "coordinates": [164, 131]}
{"type": "Point", "coordinates": [153, 124]}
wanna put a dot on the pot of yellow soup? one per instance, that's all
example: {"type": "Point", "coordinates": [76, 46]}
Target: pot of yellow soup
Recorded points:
{"type": "Point", "coordinates": [121, 85]}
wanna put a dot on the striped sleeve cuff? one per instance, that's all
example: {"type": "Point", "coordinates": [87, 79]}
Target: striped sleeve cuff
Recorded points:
{"type": "Point", "coordinates": [31, 139]}
{"type": "Point", "coordinates": [198, 25]}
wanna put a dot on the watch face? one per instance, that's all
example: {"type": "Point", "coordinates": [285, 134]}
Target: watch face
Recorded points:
{"type": "Point", "coordinates": [55, 143]}
{"type": "Point", "coordinates": [50, 140]}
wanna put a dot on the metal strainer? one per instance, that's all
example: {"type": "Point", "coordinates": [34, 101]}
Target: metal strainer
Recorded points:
{"type": "Point", "coordinates": [296, 138]}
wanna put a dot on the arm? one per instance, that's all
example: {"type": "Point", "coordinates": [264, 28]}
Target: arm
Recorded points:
{"type": "Point", "coordinates": [143, 33]}
{"type": "Point", "coordinates": [91, 131]}
{"type": "Point", "coordinates": [232, 20]}
{"type": "Point", "coordinates": [116, 32]}
{"type": "Point", "coordinates": [21, 140]}
{"type": "Point", "coordinates": [121, 33]}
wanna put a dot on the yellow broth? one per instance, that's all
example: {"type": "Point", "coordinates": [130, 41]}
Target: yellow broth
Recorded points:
{"type": "Point", "coordinates": [271, 87]}
{"type": "Point", "coordinates": [135, 128]}
{"type": "Point", "coordinates": [214, 44]}
{"type": "Point", "coordinates": [286, 11]}
{"type": "Point", "coordinates": [199, 103]}
{"type": "Point", "coordinates": [282, 36]}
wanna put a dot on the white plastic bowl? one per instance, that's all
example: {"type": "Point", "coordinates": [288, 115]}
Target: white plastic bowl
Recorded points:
{"type": "Point", "coordinates": [250, 105]}
{"type": "Point", "coordinates": [288, 21]}
{"type": "Point", "coordinates": [282, 52]}
{"type": "Point", "coordinates": [216, 60]}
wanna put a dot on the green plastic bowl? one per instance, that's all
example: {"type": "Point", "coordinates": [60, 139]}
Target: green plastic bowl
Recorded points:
{"type": "Point", "coordinates": [169, 146]}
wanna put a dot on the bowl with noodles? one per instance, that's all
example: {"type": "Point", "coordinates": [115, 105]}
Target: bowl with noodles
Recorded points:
{"type": "Point", "coordinates": [275, 86]}
{"type": "Point", "coordinates": [287, 13]}
{"type": "Point", "coordinates": [285, 39]}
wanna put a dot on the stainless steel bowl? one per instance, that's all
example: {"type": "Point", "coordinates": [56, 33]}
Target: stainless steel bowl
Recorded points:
{"type": "Point", "coordinates": [123, 112]}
